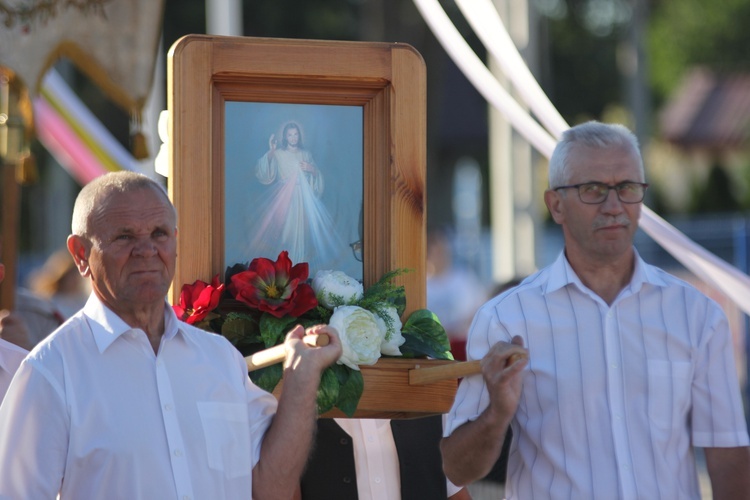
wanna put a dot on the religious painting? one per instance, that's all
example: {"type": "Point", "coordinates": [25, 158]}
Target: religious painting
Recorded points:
{"type": "Point", "coordinates": [293, 182]}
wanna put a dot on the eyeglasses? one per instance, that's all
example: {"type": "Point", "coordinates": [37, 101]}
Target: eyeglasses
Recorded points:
{"type": "Point", "coordinates": [357, 249]}
{"type": "Point", "coordinates": [593, 193]}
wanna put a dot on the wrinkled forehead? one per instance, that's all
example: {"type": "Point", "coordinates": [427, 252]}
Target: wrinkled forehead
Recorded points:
{"type": "Point", "coordinates": [136, 207]}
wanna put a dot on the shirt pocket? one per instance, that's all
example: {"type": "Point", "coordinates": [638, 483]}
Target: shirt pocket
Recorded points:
{"type": "Point", "coordinates": [226, 428]}
{"type": "Point", "coordinates": [669, 386]}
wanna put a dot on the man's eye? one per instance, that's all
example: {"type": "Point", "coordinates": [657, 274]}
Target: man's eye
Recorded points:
{"type": "Point", "coordinates": [592, 188]}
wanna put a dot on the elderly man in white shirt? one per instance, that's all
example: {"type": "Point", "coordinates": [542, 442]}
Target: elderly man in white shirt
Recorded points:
{"type": "Point", "coordinates": [126, 401]}
{"type": "Point", "coordinates": [627, 370]}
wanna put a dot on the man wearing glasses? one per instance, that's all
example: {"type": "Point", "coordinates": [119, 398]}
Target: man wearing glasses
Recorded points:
{"type": "Point", "coordinates": [609, 370]}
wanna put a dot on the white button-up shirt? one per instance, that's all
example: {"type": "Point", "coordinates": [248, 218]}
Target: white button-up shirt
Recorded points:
{"type": "Point", "coordinates": [10, 359]}
{"type": "Point", "coordinates": [614, 397]}
{"type": "Point", "coordinates": [94, 413]}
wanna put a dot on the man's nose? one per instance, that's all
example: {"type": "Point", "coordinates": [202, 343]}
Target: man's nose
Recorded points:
{"type": "Point", "coordinates": [612, 202]}
{"type": "Point", "coordinates": [144, 247]}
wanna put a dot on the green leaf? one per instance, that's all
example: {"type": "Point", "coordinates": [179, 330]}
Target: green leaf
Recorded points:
{"type": "Point", "coordinates": [328, 391]}
{"type": "Point", "coordinates": [273, 329]}
{"type": "Point", "coordinates": [352, 387]}
{"type": "Point", "coordinates": [240, 328]}
{"type": "Point", "coordinates": [425, 336]}
{"type": "Point", "coordinates": [385, 291]}
{"type": "Point", "coordinates": [322, 315]}
{"type": "Point", "coordinates": [267, 378]}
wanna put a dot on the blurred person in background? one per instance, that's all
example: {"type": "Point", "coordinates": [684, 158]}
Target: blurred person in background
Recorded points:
{"type": "Point", "coordinates": [454, 292]}
{"type": "Point", "coordinates": [11, 354]}
{"type": "Point", "coordinates": [59, 282]}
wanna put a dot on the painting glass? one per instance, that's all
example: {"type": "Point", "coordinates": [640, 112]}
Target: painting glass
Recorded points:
{"type": "Point", "coordinates": [294, 181]}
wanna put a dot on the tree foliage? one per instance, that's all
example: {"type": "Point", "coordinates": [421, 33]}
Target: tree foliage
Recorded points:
{"type": "Point", "coordinates": [687, 33]}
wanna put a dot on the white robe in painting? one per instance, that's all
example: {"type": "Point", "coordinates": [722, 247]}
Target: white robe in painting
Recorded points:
{"type": "Point", "coordinates": [290, 214]}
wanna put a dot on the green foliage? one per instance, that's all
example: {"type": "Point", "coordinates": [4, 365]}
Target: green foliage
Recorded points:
{"type": "Point", "coordinates": [350, 391]}
{"type": "Point", "coordinates": [328, 391]}
{"type": "Point", "coordinates": [689, 33]}
{"type": "Point", "coordinates": [238, 327]}
{"type": "Point", "coordinates": [384, 291]}
{"type": "Point", "coordinates": [425, 336]}
{"type": "Point", "coordinates": [273, 330]}
{"type": "Point", "coordinates": [267, 378]}
{"type": "Point", "coordinates": [583, 76]}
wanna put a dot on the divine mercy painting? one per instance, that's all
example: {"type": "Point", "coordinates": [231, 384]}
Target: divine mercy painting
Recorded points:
{"type": "Point", "coordinates": [294, 182]}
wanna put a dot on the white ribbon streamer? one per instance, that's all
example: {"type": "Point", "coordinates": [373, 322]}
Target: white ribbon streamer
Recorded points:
{"type": "Point", "coordinates": [487, 24]}
{"type": "Point", "coordinates": [482, 78]}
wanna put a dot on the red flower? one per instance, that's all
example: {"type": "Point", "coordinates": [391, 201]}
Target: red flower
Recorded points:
{"type": "Point", "coordinates": [275, 287]}
{"type": "Point", "coordinates": [198, 299]}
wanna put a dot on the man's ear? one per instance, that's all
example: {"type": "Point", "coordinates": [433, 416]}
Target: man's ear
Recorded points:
{"type": "Point", "coordinates": [78, 248]}
{"type": "Point", "coordinates": [553, 201]}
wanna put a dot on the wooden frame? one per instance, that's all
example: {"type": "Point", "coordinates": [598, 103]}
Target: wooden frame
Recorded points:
{"type": "Point", "coordinates": [386, 80]}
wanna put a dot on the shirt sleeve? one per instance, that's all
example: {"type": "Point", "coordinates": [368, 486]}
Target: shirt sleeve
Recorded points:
{"type": "Point", "coordinates": [261, 409]}
{"type": "Point", "coordinates": [717, 415]}
{"type": "Point", "coordinates": [34, 427]}
{"type": "Point", "coordinates": [472, 396]}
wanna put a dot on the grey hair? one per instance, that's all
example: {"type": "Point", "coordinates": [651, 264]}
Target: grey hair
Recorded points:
{"type": "Point", "coordinates": [592, 134]}
{"type": "Point", "coordinates": [111, 183]}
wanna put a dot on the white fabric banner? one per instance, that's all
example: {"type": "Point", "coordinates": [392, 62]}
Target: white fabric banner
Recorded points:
{"type": "Point", "coordinates": [114, 42]}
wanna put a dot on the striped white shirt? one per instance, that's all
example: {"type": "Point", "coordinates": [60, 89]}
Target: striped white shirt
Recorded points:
{"type": "Point", "coordinates": [614, 397]}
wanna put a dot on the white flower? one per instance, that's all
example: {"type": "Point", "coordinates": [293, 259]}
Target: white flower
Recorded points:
{"type": "Point", "coordinates": [360, 335]}
{"type": "Point", "coordinates": [393, 338]}
{"type": "Point", "coordinates": [329, 284]}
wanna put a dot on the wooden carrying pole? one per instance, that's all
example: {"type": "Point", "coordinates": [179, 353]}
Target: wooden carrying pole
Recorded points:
{"type": "Point", "coordinates": [277, 353]}
{"type": "Point", "coordinates": [431, 374]}
{"type": "Point", "coordinates": [417, 376]}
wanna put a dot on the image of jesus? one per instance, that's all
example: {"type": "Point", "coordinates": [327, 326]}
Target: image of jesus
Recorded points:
{"type": "Point", "coordinates": [293, 217]}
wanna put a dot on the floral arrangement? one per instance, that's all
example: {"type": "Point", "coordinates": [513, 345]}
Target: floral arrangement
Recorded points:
{"type": "Point", "coordinates": [258, 303]}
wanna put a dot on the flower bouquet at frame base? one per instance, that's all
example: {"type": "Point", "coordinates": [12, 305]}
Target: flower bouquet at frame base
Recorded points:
{"type": "Point", "coordinates": [259, 303]}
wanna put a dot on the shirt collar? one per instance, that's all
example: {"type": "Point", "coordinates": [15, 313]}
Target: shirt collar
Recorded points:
{"type": "Point", "coordinates": [108, 326]}
{"type": "Point", "coordinates": [562, 274]}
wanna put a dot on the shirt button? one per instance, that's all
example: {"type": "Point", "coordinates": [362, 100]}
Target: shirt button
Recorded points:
{"type": "Point", "coordinates": [343, 441]}
{"type": "Point", "coordinates": [378, 480]}
{"type": "Point", "coordinates": [178, 453]}
{"type": "Point", "coordinates": [168, 407]}
{"type": "Point", "coordinates": [185, 497]}
{"type": "Point", "coordinates": [347, 480]}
